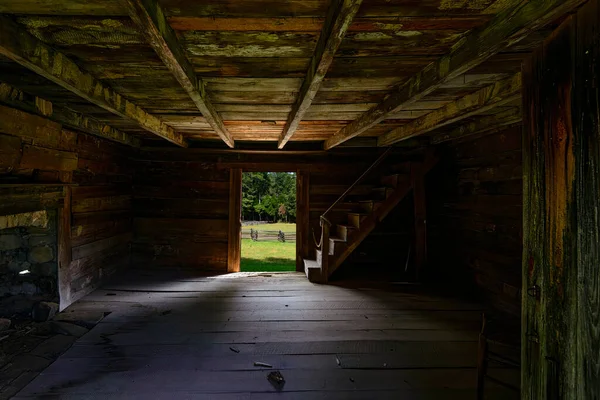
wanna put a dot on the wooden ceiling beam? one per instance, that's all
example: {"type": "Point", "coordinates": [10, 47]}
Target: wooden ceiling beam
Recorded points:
{"type": "Point", "coordinates": [517, 21]}
{"type": "Point", "coordinates": [150, 18]}
{"type": "Point", "coordinates": [14, 97]}
{"type": "Point", "coordinates": [340, 16]}
{"type": "Point", "coordinates": [485, 99]}
{"type": "Point", "coordinates": [483, 125]}
{"type": "Point", "coordinates": [31, 53]}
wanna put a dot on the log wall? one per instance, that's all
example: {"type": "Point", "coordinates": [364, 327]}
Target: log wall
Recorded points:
{"type": "Point", "coordinates": [181, 201]}
{"type": "Point", "coordinates": [181, 210]}
{"type": "Point", "coordinates": [94, 201]}
{"type": "Point", "coordinates": [475, 218]}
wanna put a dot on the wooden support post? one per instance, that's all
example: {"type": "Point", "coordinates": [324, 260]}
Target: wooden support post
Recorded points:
{"type": "Point", "coordinates": [420, 210]}
{"type": "Point", "coordinates": [64, 251]}
{"type": "Point", "coordinates": [234, 248]}
{"type": "Point", "coordinates": [561, 232]}
{"type": "Point", "coordinates": [325, 254]}
{"type": "Point", "coordinates": [302, 218]}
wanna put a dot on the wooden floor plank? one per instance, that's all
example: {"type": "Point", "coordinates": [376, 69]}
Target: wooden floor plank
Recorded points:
{"type": "Point", "coordinates": [170, 336]}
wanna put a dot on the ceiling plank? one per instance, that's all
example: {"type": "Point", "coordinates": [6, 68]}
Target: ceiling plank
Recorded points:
{"type": "Point", "coordinates": [149, 16]}
{"type": "Point", "coordinates": [278, 24]}
{"type": "Point", "coordinates": [29, 52]}
{"type": "Point", "coordinates": [483, 125]}
{"type": "Point", "coordinates": [504, 30]}
{"type": "Point", "coordinates": [340, 16]}
{"type": "Point", "coordinates": [14, 97]}
{"type": "Point", "coordinates": [485, 99]}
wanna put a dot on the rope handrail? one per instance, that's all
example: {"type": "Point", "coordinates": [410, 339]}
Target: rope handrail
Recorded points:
{"type": "Point", "coordinates": [360, 179]}
{"type": "Point", "coordinates": [323, 218]}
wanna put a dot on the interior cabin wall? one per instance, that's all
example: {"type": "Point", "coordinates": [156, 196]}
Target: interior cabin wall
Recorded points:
{"type": "Point", "coordinates": [85, 179]}
{"type": "Point", "coordinates": [475, 203]}
{"type": "Point", "coordinates": [181, 200]}
{"type": "Point", "coordinates": [181, 210]}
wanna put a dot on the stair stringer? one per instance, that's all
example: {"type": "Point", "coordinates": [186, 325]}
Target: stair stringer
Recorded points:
{"type": "Point", "coordinates": [369, 224]}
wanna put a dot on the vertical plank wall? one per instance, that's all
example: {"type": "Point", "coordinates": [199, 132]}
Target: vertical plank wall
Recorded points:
{"type": "Point", "coordinates": [37, 151]}
{"type": "Point", "coordinates": [561, 258]}
{"type": "Point", "coordinates": [475, 217]}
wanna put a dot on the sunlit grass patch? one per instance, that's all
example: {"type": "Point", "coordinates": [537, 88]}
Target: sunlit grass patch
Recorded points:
{"type": "Point", "coordinates": [270, 256]}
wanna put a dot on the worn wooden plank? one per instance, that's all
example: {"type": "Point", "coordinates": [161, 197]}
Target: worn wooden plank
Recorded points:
{"type": "Point", "coordinates": [10, 153]}
{"type": "Point", "coordinates": [339, 18]}
{"type": "Point", "coordinates": [64, 251]}
{"type": "Point", "coordinates": [89, 249]}
{"type": "Point", "coordinates": [151, 20]}
{"type": "Point", "coordinates": [35, 157]}
{"type": "Point", "coordinates": [302, 218]}
{"type": "Point", "coordinates": [586, 122]}
{"type": "Point", "coordinates": [483, 100]}
{"type": "Point", "coordinates": [507, 28]}
{"type": "Point", "coordinates": [488, 124]}
{"type": "Point", "coordinates": [234, 248]}
{"type": "Point", "coordinates": [18, 123]}
{"type": "Point", "coordinates": [74, 120]}
{"type": "Point", "coordinates": [38, 57]}
{"type": "Point", "coordinates": [385, 24]}
{"type": "Point", "coordinates": [550, 161]}
{"type": "Point", "coordinates": [561, 148]}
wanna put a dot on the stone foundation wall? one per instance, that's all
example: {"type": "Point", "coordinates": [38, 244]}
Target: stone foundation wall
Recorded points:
{"type": "Point", "coordinates": [28, 255]}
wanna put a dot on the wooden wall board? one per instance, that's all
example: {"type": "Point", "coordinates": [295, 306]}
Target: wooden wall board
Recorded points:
{"type": "Point", "coordinates": [477, 222]}
{"type": "Point", "coordinates": [55, 155]}
{"type": "Point", "coordinates": [234, 238]}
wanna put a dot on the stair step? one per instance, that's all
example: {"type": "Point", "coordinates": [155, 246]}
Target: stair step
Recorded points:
{"type": "Point", "coordinates": [370, 205]}
{"type": "Point", "coordinates": [381, 193]}
{"type": "Point", "coordinates": [312, 270]}
{"type": "Point", "coordinates": [335, 244]}
{"type": "Point", "coordinates": [344, 231]}
{"type": "Point", "coordinates": [354, 219]}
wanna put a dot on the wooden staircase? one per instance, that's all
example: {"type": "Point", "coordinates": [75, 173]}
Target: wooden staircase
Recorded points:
{"type": "Point", "coordinates": [340, 240]}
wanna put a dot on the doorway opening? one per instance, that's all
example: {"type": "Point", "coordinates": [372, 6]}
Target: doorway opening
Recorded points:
{"type": "Point", "coordinates": [268, 222]}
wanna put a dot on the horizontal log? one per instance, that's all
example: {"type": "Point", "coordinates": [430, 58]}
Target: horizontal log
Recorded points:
{"type": "Point", "coordinates": [48, 159]}
{"type": "Point", "coordinates": [100, 246]}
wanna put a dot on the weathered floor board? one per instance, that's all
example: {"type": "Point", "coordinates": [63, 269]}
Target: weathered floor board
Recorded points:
{"type": "Point", "coordinates": [171, 337]}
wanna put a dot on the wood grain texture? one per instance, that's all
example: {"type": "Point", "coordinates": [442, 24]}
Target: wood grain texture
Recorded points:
{"type": "Point", "coordinates": [302, 218]}
{"type": "Point", "coordinates": [151, 20]}
{"type": "Point", "coordinates": [507, 27]}
{"type": "Point", "coordinates": [483, 100]}
{"type": "Point", "coordinates": [234, 252]}
{"type": "Point", "coordinates": [36, 56]}
{"type": "Point", "coordinates": [17, 99]}
{"type": "Point", "coordinates": [339, 18]}
{"type": "Point", "coordinates": [561, 149]}
{"type": "Point", "coordinates": [475, 212]}
{"type": "Point", "coordinates": [322, 352]}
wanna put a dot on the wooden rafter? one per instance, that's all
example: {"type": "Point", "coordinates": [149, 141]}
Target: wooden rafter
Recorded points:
{"type": "Point", "coordinates": [340, 16]}
{"type": "Point", "coordinates": [486, 124]}
{"type": "Point", "coordinates": [495, 95]}
{"type": "Point", "coordinates": [16, 98]}
{"type": "Point", "coordinates": [151, 20]}
{"type": "Point", "coordinates": [507, 28]}
{"type": "Point", "coordinates": [31, 53]}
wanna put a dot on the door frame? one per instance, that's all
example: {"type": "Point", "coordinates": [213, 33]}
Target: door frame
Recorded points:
{"type": "Point", "coordinates": [234, 246]}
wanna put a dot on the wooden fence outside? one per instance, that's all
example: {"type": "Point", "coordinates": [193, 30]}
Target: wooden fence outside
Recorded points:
{"type": "Point", "coordinates": [263, 236]}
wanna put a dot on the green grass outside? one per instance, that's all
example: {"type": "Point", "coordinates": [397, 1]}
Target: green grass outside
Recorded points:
{"type": "Point", "coordinates": [271, 256]}
{"type": "Point", "coordinates": [280, 226]}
